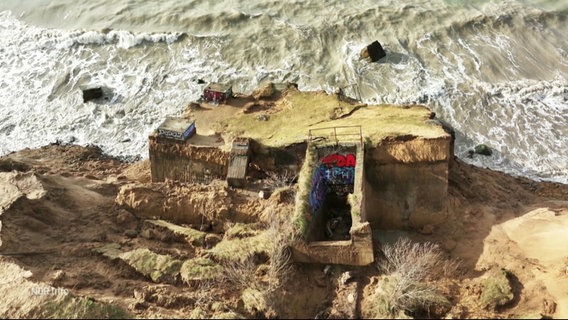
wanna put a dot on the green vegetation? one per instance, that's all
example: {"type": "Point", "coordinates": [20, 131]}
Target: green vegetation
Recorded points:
{"type": "Point", "coordinates": [302, 208]}
{"type": "Point", "coordinates": [242, 230]}
{"type": "Point", "coordinates": [80, 308]}
{"type": "Point", "coordinates": [158, 267]}
{"type": "Point", "coordinates": [198, 269]}
{"type": "Point", "coordinates": [496, 289]}
{"type": "Point", "coordinates": [241, 249]}
{"type": "Point", "coordinates": [192, 236]}
{"type": "Point", "coordinates": [301, 111]}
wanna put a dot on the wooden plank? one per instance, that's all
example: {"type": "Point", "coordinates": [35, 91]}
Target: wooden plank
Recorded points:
{"type": "Point", "coordinates": [236, 173]}
{"type": "Point", "coordinates": [238, 162]}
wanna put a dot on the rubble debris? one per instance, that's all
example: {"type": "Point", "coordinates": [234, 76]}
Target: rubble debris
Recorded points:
{"type": "Point", "coordinates": [92, 94]}
{"type": "Point", "coordinates": [374, 51]}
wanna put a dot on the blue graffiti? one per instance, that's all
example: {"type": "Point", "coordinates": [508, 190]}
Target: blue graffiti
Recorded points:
{"type": "Point", "coordinates": [319, 189]}
{"type": "Point", "coordinates": [335, 174]}
{"type": "Point", "coordinates": [339, 175]}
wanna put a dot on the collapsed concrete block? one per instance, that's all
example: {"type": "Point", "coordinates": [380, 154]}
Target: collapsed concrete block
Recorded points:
{"type": "Point", "coordinates": [374, 51]}
{"type": "Point", "coordinates": [92, 94]}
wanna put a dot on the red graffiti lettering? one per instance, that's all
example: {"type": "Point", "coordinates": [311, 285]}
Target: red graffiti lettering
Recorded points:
{"type": "Point", "coordinates": [350, 160]}
{"type": "Point", "coordinates": [339, 160]}
{"type": "Point", "coordinates": [332, 158]}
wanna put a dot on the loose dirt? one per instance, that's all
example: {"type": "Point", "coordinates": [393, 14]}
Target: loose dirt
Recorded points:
{"type": "Point", "coordinates": [69, 213]}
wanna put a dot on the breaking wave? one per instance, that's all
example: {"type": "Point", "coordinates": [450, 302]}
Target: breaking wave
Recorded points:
{"type": "Point", "coordinates": [496, 71]}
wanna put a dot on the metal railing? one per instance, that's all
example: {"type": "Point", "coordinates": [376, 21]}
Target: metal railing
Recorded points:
{"type": "Point", "coordinates": [335, 135]}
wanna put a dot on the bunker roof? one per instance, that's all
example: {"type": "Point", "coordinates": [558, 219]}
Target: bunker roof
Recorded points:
{"type": "Point", "coordinates": [299, 112]}
{"type": "Point", "coordinates": [218, 87]}
{"type": "Point", "coordinates": [176, 124]}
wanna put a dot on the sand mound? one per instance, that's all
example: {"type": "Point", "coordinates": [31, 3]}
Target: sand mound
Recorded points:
{"type": "Point", "coordinates": [14, 185]}
{"type": "Point", "coordinates": [189, 204]}
{"type": "Point", "coordinates": [533, 247]}
{"type": "Point", "coordinates": [19, 294]}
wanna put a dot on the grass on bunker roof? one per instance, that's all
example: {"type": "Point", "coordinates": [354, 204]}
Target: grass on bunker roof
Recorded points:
{"type": "Point", "coordinates": [291, 118]}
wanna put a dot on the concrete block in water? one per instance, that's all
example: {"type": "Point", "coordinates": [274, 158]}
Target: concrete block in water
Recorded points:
{"type": "Point", "coordinates": [92, 94]}
{"type": "Point", "coordinates": [374, 51]}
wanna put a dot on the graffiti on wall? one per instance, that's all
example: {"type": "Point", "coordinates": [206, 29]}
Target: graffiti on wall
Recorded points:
{"type": "Point", "coordinates": [339, 172]}
{"type": "Point", "coordinates": [339, 176]}
{"type": "Point", "coordinates": [335, 173]}
{"type": "Point", "coordinates": [319, 190]}
{"type": "Point", "coordinates": [339, 160]}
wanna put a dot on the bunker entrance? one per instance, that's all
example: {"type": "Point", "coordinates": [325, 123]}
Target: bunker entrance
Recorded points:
{"type": "Point", "coordinates": [333, 179]}
{"type": "Point", "coordinates": [337, 217]}
{"type": "Point", "coordinates": [333, 220]}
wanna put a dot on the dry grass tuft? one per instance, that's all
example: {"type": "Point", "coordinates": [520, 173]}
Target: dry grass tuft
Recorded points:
{"type": "Point", "coordinates": [406, 287]}
{"type": "Point", "coordinates": [259, 282]}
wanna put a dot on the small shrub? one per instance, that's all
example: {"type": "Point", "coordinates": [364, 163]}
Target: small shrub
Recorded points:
{"type": "Point", "coordinates": [240, 273]}
{"type": "Point", "coordinates": [282, 179]}
{"type": "Point", "coordinates": [206, 296]}
{"type": "Point", "coordinates": [197, 313]}
{"type": "Point", "coordinates": [259, 284]}
{"type": "Point", "coordinates": [404, 288]}
{"type": "Point", "coordinates": [419, 261]}
{"type": "Point", "coordinates": [254, 300]}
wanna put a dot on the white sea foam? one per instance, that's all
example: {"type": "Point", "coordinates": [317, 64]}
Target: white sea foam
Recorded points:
{"type": "Point", "coordinates": [497, 72]}
{"type": "Point", "coordinates": [37, 65]}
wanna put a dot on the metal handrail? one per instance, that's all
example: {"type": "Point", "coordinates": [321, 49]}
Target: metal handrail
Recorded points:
{"type": "Point", "coordinates": [311, 135]}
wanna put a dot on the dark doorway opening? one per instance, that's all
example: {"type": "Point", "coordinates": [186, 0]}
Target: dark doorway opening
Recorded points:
{"type": "Point", "coordinates": [335, 221]}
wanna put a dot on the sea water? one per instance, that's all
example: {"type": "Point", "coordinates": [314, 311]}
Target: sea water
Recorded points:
{"type": "Point", "coordinates": [496, 71]}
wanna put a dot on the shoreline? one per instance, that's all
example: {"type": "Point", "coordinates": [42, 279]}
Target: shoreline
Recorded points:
{"type": "Point", "coordinates": [99, 210]}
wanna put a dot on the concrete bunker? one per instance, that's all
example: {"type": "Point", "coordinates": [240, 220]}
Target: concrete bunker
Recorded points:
{"type": "Point", "coordinates": [332, 181]}
{"type": "Point", "coordinates": [178, 152]}
{"type": "Point", "coordinates": [330, 203]}
{"type": "Point", "coordinates": [217, 92]}
{"type": "Point", "coordinates": [407, 182]}
{"type": "Point", "coordinates": [238, 162]}
{"type": "Point", "coordinates": [397, 178]}
{"type": "Point", "coordinates": [176, 129]}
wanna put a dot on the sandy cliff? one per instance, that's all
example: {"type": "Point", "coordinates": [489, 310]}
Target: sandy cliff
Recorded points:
{"type": "Point", "coordinates": [78, 220]}
{"type": "Point", "coordinates": [54, 218]}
